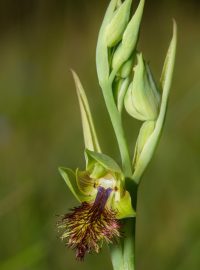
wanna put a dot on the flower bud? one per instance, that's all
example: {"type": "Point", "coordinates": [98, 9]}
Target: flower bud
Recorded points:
{"type": "Point", "coordinates": [129, 39]}
{"type": "Point", "coordinates": [119, 91]}
{"type": "Point", "coordinates": [126, 68]}
{"type": "Point", "coordinates": [145, 132]}
{"type": "Point", "coordinates": [117, 25]}
{"type": "Point", "coordinates": [142, 98]}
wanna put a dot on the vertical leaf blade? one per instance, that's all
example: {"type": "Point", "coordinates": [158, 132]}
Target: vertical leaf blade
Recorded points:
{"type": "Point", "coordinates": [89, 132]}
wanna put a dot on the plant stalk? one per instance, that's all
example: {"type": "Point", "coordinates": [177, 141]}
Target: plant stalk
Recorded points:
{"type": "Point", "coordinates": [118, 128]}
{"type": "Point", "coordinates": [122, 254]}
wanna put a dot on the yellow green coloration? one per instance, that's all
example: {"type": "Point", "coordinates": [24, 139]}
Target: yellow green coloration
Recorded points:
{"type": "Point", "coordinates": [101, 171]}
{"type": "Point", "coordinates": [100, 189]}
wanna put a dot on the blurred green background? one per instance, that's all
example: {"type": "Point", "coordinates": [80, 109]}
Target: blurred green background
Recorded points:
{"type": "Point", "coordinates": [40, 129]}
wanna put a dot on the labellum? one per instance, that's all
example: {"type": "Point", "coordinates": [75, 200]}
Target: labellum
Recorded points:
{"type": "Point", "coordinates": [86, 227]}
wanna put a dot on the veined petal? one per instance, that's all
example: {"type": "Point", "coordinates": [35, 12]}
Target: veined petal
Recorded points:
{"type": "Point", "coordinates": [86, 184]}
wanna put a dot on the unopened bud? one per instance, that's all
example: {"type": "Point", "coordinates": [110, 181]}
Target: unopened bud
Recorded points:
{"type": "Point", "coordinates": [142, 99]}
{"type": "Point", "coordinates": [129, 39]}
{"type": "Point", "coordinates": [144, 134]}
{"type": "Point", "coordinates": [120, 88]}
{"type": "Point", "coordinates": [126, 68]}
{"type": "Point", "coordinates": [116, 27]}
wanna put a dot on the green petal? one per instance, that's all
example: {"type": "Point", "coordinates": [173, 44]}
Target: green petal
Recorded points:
{"type": "Point", "coordinates": [86, 184]}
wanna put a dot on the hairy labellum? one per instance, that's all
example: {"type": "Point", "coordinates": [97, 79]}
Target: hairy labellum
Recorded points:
{"type": "Point", "coordinates": [89, 225]}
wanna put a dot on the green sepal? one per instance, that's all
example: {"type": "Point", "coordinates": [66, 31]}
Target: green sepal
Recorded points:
{"type": "Point", "coordinates": [98, 171]}
{"type": "Point", "coordinates": [70, 179]}
{"type": "Point", "coordinates": [108, 163]}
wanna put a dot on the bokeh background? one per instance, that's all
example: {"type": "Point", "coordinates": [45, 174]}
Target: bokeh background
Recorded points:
{"type": "Point", "coordinates": [40, 129]}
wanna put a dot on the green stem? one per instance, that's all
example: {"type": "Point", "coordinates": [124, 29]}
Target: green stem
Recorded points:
{"type": "Point", "coordinates": [122, 254]}
{"type": "Point", "coordinates": [118, 128]}
{"type": "Point", "coordinates": [129, 244]}
{"type": "Point", "coordinates": [116, 251]}
{"type": "Point", "coordinates": [130, 230]}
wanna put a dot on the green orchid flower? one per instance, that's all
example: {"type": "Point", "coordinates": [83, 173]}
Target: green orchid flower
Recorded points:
{"type": "Point", "coordinates": [100, 189]}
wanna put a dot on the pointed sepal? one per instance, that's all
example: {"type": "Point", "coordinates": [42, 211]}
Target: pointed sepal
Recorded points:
{"type": "Point", "coordinates": [107, 163]}
{"type": "Point", "coordinates": [70, 179]}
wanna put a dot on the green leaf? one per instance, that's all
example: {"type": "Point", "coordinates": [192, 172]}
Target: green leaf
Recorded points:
{"type": "Point", "coordinates": [70, 179]}
{"type": "Point", "coordinates": [166, 80]}
{"type": "Point", "coordinates": [104, 160]}
{"type": "Point", "coordinates": [90, 137]}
